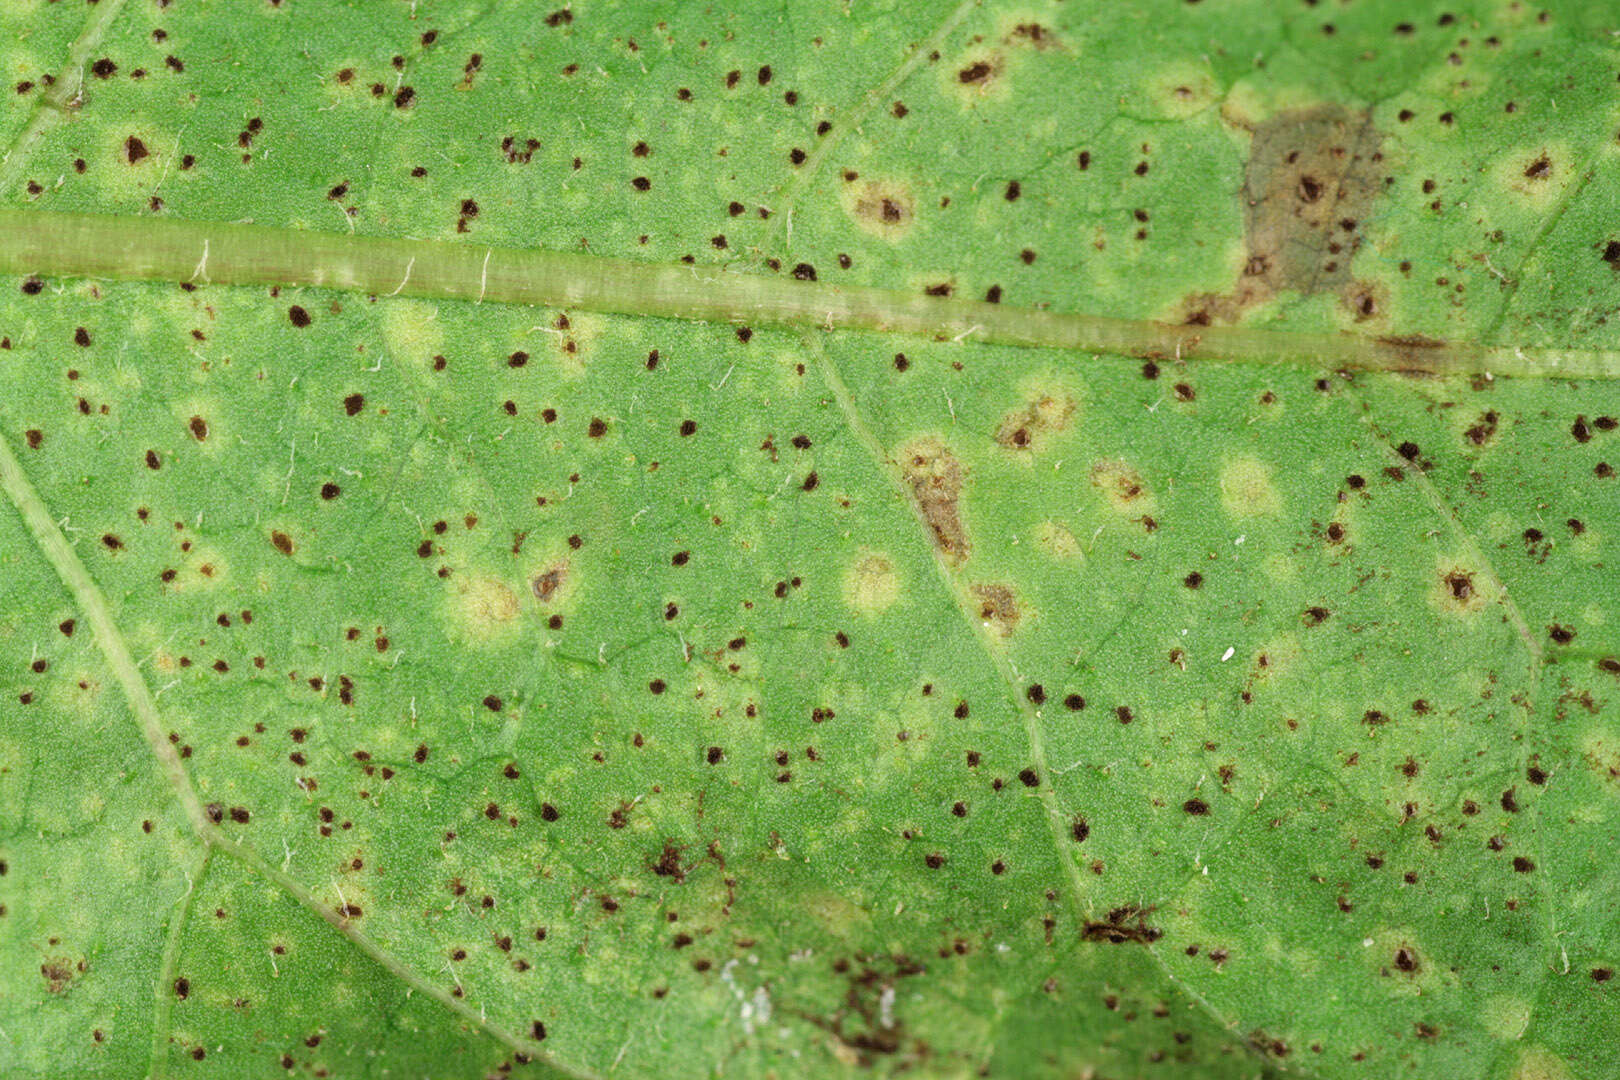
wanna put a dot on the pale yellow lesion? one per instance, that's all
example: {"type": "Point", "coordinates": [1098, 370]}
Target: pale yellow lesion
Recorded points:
{"type": "Point", "coordinates": [1179, 89]}
{"type": "Point", "coordinates": [1057, 541]}
{"type": "Point", "coordinates": [871, 584]}
{"type": "Point", "coordinates": [1247, 488]}
{"type": "Point", "coordinates": [481, 608]}
{"type": "Point", "coordinates": [1506, 1017]}
{"type": "Point", "coordinates": [412, 332]}
{"type": "Point", "coordinates": [1539, 1063]}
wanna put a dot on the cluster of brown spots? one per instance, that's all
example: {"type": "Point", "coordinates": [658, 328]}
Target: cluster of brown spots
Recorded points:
{"type": "Point", "coordinates": [1121, 484]}
{"type": "Point", "coordinates": [1483, 430]}
{"type": "Point", "coordinates": [1027, 428]}
{"type": "Point", "coordinates": [1311, 177]}
{"type": "Point", "coordinates": [59, 972]}
{"type": "Point", "coordinates": [1122, 925]}
{"type": "Point", "coordinates": [864, 1027]}
{"type": "Point", "coordinates": [1266, 1045]}
{"type": "Point", "coordinates": [935, 479]}
{"type": "Point", "coordinates": [514, 151]}
{"type": "Point", "coordinates": [1034, 35]}
{"type": "Point", "coordinates": [998, 607]}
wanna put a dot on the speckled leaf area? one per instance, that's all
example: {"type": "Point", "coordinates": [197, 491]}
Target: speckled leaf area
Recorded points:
{"type": "Point", "coordinates": [673, 698]}
{"type": "Point", "coordinates": [608, 696]}
{"type": "Point", "coordinates": [1428, 173]}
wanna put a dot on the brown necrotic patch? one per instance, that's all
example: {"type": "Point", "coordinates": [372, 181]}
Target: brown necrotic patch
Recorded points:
{"type": "Point", "coordinates": [934, 477]}
{"type": "Point", "coordinates": [1459, 590]}
{"type": "Point", "coordinates": [998, 607]}
{"type": "Point", "coordinates": [1312, 176]}
{"type": "Point", "coordinates": [546, 583]}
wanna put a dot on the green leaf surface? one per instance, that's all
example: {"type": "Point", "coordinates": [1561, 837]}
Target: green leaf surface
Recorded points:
{"type": "Point", "coordinates": [662, 539]}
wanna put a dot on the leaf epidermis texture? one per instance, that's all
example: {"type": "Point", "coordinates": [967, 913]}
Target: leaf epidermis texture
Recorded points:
{"type": "Point", "coordinates": [555, 689]}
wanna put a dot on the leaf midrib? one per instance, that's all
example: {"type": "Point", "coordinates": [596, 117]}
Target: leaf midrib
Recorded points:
{"type": "Point", "coordinates": [55, 243]}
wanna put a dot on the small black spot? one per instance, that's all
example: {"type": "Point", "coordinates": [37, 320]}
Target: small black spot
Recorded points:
{"type": "Point", "coordinates": [298, 316]}
{"type": "Point", "coordinates": [1196, 807]}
